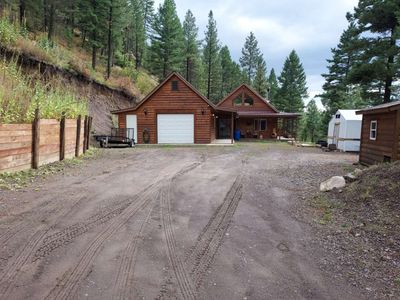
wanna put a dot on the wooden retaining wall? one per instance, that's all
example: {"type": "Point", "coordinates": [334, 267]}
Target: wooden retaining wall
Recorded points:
{"type": "Point", "coordinates": [24, 146]}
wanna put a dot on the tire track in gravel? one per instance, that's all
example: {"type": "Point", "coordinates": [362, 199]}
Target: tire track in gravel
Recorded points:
{"type": "Point", "coordinates": [210, 239]}
{"type": "Point", "coordinates": [18, 261]}
{"type": "Point", "coordinates": [67, 286]}
{"type": "Point", "coordinates": [126, 266]}
{"type": "Point", "coordinates": [182, 277]}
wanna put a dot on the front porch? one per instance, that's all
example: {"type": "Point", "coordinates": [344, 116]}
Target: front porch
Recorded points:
{"type": "Point", "coordinates": [236, 126]}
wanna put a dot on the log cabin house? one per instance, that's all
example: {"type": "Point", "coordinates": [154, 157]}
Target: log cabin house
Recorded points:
{"type": "Point", "coordinates": [380, 133]}
{"type": "Point", "coordinates": [176, 113]}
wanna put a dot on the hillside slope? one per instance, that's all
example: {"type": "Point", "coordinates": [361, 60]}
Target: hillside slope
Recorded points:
{"type": "Point", "coordinates": [68, 67]}
{"type": "Point", "coordinates": [359, 228]}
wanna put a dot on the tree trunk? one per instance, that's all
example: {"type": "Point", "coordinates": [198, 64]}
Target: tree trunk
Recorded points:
{"type": "Point", "coordinates": [389, 66]}
{"type": "Point", "coordinates": [209, 75]}
{"type": "Point", "coordinates": [22, 8]}
{"type": "Point", "coordinates": [51, 22]}
{"type": "Point", "coordinates": [137, 55]}
{"type": "Point", "coordinates": [109, 57]}
{"type": "Point", "coordinates": [45, 20]}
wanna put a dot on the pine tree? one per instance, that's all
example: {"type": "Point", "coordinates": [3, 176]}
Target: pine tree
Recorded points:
{"type": "Point", "coordinates": [191, 48]}
{"type": "Point", "coordinates": [230, 72]}
{"type": "Point", "coordinates": [378, 26]}
{"type": "Point", "coordinates": [293, 87]}
{"type": "Point", "coordinates": [166, 41]}
{"type": "Point", "coordinates": [273, 86]}
{"type": "Point", "coordinates": [260, 83]}
{"type": "Point", "coordinates": [212, 64]}
{"type": "Point", "coordinates": [136, 32]}
{"type": "Point", "coordinates": [311, 123]}
{"type": "Point", "coordinates": [250, 57]}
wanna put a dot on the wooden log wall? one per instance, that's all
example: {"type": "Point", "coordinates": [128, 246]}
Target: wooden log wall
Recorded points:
{"type": "Point", "coordinates": [24, 146]}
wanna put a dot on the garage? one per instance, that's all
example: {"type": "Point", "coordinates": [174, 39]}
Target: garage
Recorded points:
{"type": "Point", "coordinates": [175, 128]}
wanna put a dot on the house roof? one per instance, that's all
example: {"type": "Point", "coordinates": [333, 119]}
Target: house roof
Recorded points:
{"type": "Point", "coordinates": [262, 113]}
{"type": "Point", "coordinates": [251, 90]}
{"type": "Point", "coordinates": [349, 114]}
{"type": "Point", "coordinates": [386, 107]}
{"type": "Point", "coordinates": [191, 87]}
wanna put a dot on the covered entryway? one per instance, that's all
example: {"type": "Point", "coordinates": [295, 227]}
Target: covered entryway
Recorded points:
{"type": "Point", "coordinates": [175, 128]}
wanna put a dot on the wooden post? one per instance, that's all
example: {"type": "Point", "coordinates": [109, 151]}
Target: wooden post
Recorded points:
{"type": "Point", "coordinates": [85, 128]}
{"type": "Point", "coordinates": [62, 137]}
{"type": "Point", "coordinates": [35, 139]}
{"type": "Point", "coordinates": [232, 127]}
{"type": "Point", "coordinates": [78, 135]}
{"type": "Point", "coordinates": [90, 119]}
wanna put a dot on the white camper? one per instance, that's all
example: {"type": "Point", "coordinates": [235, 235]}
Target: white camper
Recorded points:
{"type": "Point", "coordinates": [345, 130]}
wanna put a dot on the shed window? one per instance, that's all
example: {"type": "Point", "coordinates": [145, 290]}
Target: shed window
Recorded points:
{"type": "Point", "coordinates": [175, 85]}
{"type": "Point", "coordinates": [338, 116]}
{"type": "Point", "coordinates": [373, 130]}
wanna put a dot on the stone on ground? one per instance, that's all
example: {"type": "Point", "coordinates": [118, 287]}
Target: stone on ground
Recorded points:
{"type": "Point", "coordinates": [336, 182]}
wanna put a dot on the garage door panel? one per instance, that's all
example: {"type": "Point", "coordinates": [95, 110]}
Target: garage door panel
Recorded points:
{"type": "Point", "coordinates": [175, 128]}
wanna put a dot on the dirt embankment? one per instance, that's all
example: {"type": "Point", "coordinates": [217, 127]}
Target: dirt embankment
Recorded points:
{"type": "Point", "coordinates": [359, 228]}
{"type": "Point", "coordinates": [101, 98]}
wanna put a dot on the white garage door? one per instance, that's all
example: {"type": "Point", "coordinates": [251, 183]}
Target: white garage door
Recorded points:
{"type": "Point", "coordinates": [175, 128]}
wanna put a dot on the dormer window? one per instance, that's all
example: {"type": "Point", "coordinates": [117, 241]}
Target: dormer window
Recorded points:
{"type": "Point", "coordinates": [174, 85]}
{"type": "Point", "coordinates": [237, 101]}
{"type": "Point", "coordinates": [243, 99]}
{"type": "Point", "coordinates": [248, 101]}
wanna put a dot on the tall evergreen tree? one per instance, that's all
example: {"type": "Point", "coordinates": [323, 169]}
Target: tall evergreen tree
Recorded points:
{"type": "Point", "coordinates": [250, 57]}
{"type": "Point", "coordinates": [293, 85]}
{"type": "Point", "coordinates": [136, 32]}
{"type": "Point", "coordinates": [378, 25]}
{"type": "Point", "coordinates": [311, 123]}
{"type": "Point", "coordinates": [260, 82]}
{"type": "Point", "coordinates": [166, 41]}
{"type": "Point", "coordinates": [230, 72]}
{"type": "Point", "coordinates": [273, 86]}
{"type": "Point", "coordinates": [212, 64]}
{"type": "Point", "coordinates": [191, 48]}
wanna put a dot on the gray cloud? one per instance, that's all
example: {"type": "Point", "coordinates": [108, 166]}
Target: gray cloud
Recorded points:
{"type": "Point", "coordinates": [311, 27]}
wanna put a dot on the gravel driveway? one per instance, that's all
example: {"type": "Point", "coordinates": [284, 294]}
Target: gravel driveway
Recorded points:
{"type": "Point", "coordinates": [167, 223]}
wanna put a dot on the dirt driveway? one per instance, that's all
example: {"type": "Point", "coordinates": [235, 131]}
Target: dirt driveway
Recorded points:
{"type": "Point", "coordinates": [167, 223]}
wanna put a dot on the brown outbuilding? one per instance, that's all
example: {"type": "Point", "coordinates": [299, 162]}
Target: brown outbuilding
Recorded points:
{"type": "Point", "coordinates": [380, 133]}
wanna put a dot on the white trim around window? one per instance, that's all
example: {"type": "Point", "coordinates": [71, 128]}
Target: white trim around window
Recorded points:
{"type": "Point", "coordinates": [373, 130]}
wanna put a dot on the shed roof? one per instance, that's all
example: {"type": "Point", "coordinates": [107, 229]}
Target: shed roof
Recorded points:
{"type": "Point", "coordinates": [386, 107]}
{"type": "Point", "coordinates": [349, 114]}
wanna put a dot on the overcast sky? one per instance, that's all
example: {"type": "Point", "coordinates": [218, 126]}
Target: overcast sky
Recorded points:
{"type": "Point", "coordinates": [311, 27]}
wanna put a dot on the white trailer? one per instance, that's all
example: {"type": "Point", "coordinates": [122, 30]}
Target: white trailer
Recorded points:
{"type": "Point", "coordinates": [345, 130]}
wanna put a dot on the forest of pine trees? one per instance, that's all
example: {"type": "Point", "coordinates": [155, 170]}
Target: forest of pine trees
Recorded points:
{"type": "Point", "coordinates": [114, 31]}
{"type": "Point", "coordinates": [364, 68]}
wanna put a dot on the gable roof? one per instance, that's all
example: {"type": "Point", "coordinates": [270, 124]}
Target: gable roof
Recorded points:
{"type": "Point", "coordinates": [386, 107]}
{"type": "Point", "coordinates": [349, 114]}
{"type": "Point", "coordinates": [252, 91]}
{"type": "Point", "coordinates": [191, 87]}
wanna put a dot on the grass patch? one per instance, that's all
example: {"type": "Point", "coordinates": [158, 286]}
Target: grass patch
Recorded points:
{"type": "Point", "coordinates": [324, 208]}
{"type": "Point", "coordinates": [21, 94]}
{"type": "Point", "coordinates": [22, 179]}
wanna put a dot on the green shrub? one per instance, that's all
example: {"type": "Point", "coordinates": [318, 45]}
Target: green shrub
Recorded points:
{"type": "Point", "coordinates": [8, 33]}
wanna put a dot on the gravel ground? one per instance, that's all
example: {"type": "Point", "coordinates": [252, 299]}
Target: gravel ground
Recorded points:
{"type": "Point", "coordinates": [172, 223]}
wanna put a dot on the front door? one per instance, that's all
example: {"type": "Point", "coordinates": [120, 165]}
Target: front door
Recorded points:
{"type": "Point", "coordinates": [336, 131]}
{"type": "Point", "coordinates": [224, 128]}
{"type": "Point", "coordinates": [131, 123]}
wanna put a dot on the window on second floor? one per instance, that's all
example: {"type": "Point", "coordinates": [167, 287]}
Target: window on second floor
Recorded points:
{"type": "Point", "coordinates": [237, 101]}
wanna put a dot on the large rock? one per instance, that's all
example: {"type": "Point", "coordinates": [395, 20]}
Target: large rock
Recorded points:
{"type": "Point", "coordinates": [336, 182]}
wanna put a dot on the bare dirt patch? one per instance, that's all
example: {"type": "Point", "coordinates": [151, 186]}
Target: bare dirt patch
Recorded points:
{"type": "Point", "coordinates": [170, 222]}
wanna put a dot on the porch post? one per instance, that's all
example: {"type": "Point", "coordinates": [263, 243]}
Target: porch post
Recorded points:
{"type": "Point", "coordinates": [232, 129]}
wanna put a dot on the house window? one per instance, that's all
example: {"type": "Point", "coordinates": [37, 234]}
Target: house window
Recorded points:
{"type": "Point", "coordinates": [237, 101]}
{"type": "Point", "coordinates": [174, 85]}
{"type": "Point", "coordinates": [263, 125]}
{"type": "Point", "coordinates": [373, 130]}
{"type": "Point", "coordinates": [248, 101]}
{"type": "Point", "coordinates": [260, 125]}
{"type": "Point", "coordinates": [338, 116]}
